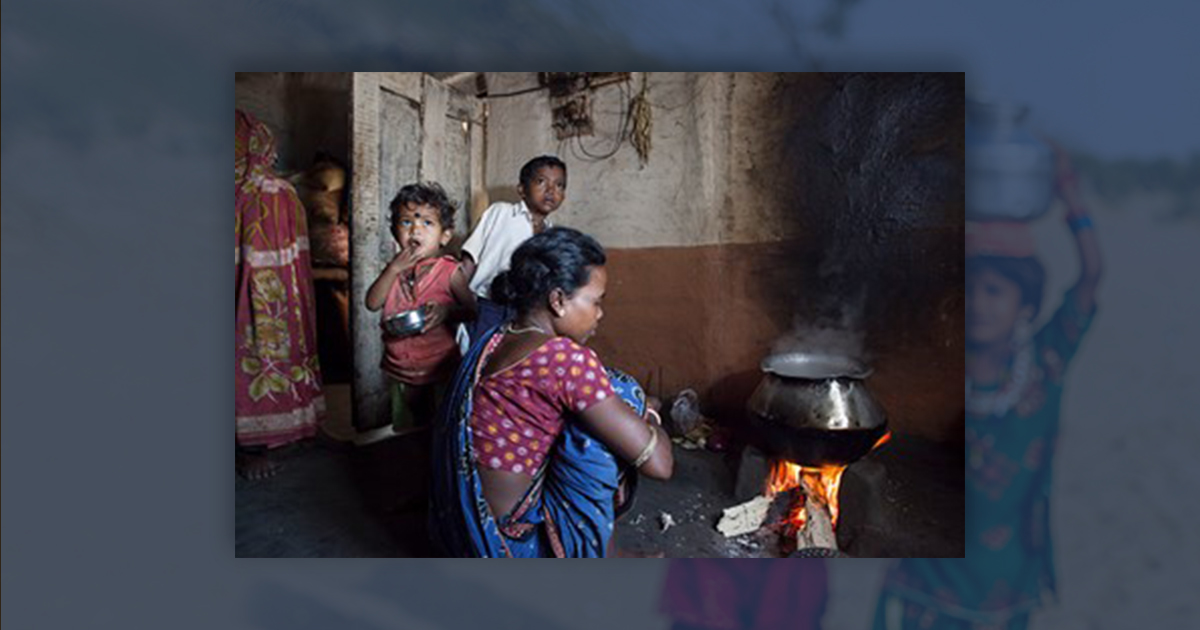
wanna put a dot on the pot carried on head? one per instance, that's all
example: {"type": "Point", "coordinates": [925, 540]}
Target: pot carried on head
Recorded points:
{"type": "Point", "coordinates": [1010, 172]}
{"type": "Point", "coordinates": [814, 410]}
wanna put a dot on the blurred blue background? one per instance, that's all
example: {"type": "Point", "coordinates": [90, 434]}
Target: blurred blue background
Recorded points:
{"type": "Point", "coordinates": [117, 475]}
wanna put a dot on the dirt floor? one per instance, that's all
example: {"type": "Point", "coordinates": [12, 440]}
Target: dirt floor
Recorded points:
{"type": "Point", "coordinates": [331, 503]}
{"type": "Point", "coordinates": [334, 500]}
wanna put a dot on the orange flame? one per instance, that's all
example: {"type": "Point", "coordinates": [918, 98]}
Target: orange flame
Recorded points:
{"type": "Point", "coordinates": [821, 483]}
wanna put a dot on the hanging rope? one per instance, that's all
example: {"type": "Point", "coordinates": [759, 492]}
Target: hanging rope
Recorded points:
{"type": "Point", "coordinates": [639, 111]}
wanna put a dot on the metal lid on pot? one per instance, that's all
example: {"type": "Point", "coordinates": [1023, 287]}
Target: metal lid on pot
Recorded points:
{"type": "Point", "coordinates": [815, 366]}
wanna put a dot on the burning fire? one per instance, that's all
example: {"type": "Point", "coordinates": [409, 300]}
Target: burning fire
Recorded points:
{"type": "Point", "coordinates": [820, 484]}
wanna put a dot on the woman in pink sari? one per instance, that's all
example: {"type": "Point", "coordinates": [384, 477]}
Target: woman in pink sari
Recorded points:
{"type": "Point", "coordinates": [277, 379]}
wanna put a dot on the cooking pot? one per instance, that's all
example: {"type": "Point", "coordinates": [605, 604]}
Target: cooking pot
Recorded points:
{"type": "Point", "coordinates": [823, 417]}
{"type": "Point", "coordinates": [1010, 172]}
{"type": "Point", "coordinates": [811, 365]}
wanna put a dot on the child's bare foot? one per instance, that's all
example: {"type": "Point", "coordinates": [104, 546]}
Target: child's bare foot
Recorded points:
{"type": "Point", "coordinates": [255, 467]}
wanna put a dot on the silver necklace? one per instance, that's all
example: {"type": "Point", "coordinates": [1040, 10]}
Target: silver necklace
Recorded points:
{"type": "Point", "coordinates": [1000, 402]}
{"type": "Point", "coordinates": [508, 328]}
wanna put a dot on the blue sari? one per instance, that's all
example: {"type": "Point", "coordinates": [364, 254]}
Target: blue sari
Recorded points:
{"type": "Point", "coordinates": [568, 512]}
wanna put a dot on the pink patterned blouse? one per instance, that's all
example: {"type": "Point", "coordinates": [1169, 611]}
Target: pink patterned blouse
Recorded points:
{"type": "Point", "coordinates": [518, 413]}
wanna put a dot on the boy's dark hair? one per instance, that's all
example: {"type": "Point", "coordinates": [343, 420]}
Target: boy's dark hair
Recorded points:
{"type": "Point", "coordinates": [425, 194]}
{"type": "Point", "coordinates": [558, 258]}
{"type": "Point", "coordinates": [1028, 273]}
{"type": "Point", "coordinates": [532, 166]}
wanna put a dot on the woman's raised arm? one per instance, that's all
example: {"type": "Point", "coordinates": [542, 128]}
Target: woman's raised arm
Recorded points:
{"type": "Point", "coordinates": [1091, 264]}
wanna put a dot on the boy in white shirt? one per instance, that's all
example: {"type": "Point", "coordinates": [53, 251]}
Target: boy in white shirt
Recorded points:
{"type": "Point", "coordinates": [503, 227]}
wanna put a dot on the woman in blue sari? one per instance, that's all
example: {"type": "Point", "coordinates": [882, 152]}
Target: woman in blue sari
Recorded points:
{"type": "Point", "coordinates": [1014, 392]}
{"type": "Point", "coordinates": [536, 433]}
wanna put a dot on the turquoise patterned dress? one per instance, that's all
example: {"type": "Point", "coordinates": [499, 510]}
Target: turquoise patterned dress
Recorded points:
{"type": "Point", "coordinates": [1011, 434]}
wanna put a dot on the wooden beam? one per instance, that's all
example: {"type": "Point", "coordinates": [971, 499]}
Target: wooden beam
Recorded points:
{"type": "Point", "coordinates": [818, 526]}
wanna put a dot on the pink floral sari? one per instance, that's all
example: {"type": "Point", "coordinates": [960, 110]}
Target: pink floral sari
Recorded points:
{"type": "Point", "coordinates": [277, 379]}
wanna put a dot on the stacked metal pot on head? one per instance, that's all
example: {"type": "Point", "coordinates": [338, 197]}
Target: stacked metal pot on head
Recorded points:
{"type": "Point", "coordinates": [1010, 171]}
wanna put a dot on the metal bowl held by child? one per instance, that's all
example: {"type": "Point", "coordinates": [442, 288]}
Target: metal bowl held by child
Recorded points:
{"type": "Point", "coordinates": [405, 324]}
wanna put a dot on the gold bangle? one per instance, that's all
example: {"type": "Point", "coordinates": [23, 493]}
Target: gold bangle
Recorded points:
{"type": "Point", "coordinates": [657, 418]}
{"type": "Point", "coordinates": [648, 451]}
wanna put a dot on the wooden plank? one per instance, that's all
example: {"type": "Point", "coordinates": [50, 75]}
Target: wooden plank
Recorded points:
{"type": "Point", "coordinates": [433, 124]}
{"type": "Point", "coordinates": [461, 138]}
{"type": "Point", "coordinates": [745, 517]}
{"type": "Point", "coordinates": [406, 84]}
{"type": "Point", "coordinates": [456, 169]}
{"type": "Point", "coordinates": [818, 524]}
{"type": "Point", "coordinates": [464, 107]}
{"type": "Point", "coordinates": [398, 158]}
{"type": "Point", "coordinates": [479, 194]}
{"type": "Point", "coordinates": [364, 194]}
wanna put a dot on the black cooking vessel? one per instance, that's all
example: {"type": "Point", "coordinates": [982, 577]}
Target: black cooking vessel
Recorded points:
{"type": "Point", "coordinates": [814, 447]}
{"type": "Point", "coordinates": [815, 420]}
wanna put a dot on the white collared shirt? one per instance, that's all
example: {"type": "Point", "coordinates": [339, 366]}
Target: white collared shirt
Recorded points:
{"type": "Point", "coordinates": [501, 229]}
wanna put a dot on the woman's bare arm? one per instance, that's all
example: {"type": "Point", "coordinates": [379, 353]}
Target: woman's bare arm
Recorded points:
{"type": "Point", "coordinates": [460, 288]}
{"type": "Point", "coordinates": [616, 425]}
